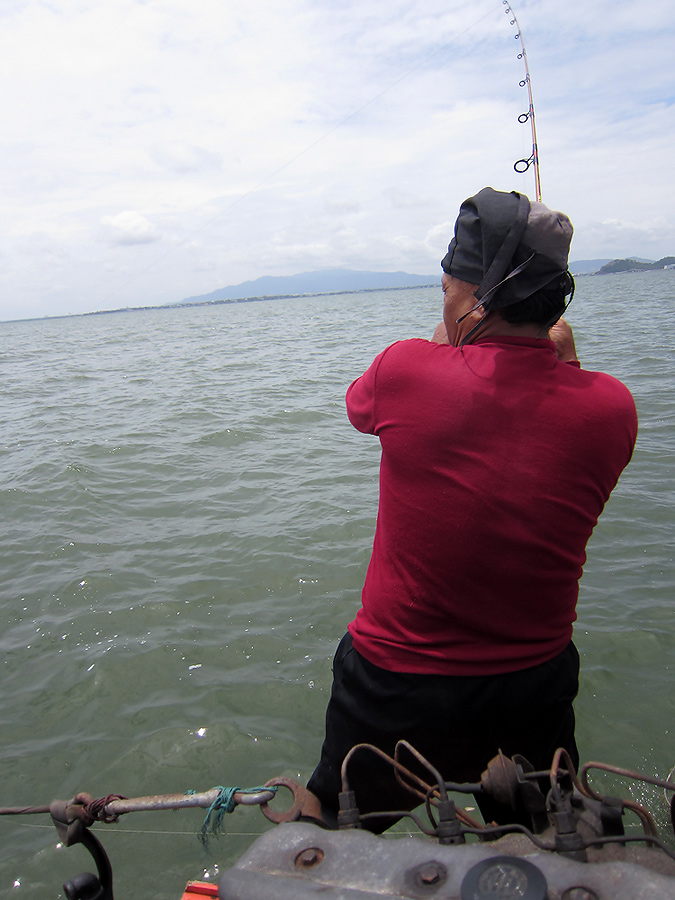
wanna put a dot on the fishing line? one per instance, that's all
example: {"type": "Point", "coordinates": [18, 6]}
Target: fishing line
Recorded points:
{"type": "Point", "coordinates": [522, 165]}
{"type": "Point", "coordinates": [268, 178]}
{"type": "Point", "coordinates": [120, 831]}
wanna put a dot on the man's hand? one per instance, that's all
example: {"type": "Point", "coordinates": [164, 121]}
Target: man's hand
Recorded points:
{"type": "Point", "coordinates": [562, 337]}
{"type": "Point", "coordinates": [440, 336]}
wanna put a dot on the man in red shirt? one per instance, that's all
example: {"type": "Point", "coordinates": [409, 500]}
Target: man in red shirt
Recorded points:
{"type": "Point", "coordinates": [498, 455]}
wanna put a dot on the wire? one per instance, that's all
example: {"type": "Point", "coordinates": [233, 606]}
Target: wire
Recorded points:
{"type": "Point", "coordinates": [121, 831]}
{"type": "Point", "coordinates": [626, 773]}
{"type": "Point", "coordinates": [423, 790]}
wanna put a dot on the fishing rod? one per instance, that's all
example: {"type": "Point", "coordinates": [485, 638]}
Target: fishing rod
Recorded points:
{"type": "Point", "coordinates": [522, 165]}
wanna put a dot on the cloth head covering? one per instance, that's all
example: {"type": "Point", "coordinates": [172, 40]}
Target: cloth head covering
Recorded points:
{"type": "Point", "coordinates": [508, 246]}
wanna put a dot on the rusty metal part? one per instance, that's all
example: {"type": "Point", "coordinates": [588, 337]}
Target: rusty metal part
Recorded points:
{"type": "Point", "coordinates": [430, 796]}
{"type": "Point", "coordinates": [625, 773]}
{"type": "Point", "coordinates": [646, 819]}
{"type": "Point", "coordinates": [407, 779]}
{"type": "Point", "coordinates": [182, 801]}
{"type": "Point", "coordinates": [114, 805]}
{"type": "Point", "coordinates": [86, 809]}
{"type": "Point", "coordinates": [429, 874]}
{"type": "Point", "coordinates": [438, 778]}
{"type": "Point", "coordinates": [70, 822]}
{"type": "Point", "coordinates": [23, 810]}
{"type": "Point", "coordinates": [306, 806]}
{"type": "Point", "coordinates": [556, 772]}
{"type": "Point", "coordinates": [500, 780]}
{"type": "Point", "coordinates": [421, 791]}
{"type": "Point", "coordinates": [309, 857]}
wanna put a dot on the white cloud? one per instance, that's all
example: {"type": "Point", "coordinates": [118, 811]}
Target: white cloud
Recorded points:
{"type": "Point", "coordinates": [129, 227]}
{"type": "Point", "coordinates": [622, 239]}
{"type": "Point", "coordinates": [155, 151]}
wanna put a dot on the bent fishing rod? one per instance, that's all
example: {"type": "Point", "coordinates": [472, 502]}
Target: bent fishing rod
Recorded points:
{"type": "Point", "coordinates": [522, 165]}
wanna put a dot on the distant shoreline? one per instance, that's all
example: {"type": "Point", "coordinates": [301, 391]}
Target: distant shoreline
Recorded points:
{"type": "Point", "coordinates": [188, 304]}
{"type": "Point", "coordinates": [616, 267]}
{"type": "Point", "coordinates": [403, 287]}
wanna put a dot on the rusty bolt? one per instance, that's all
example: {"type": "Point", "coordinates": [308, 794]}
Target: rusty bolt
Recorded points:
{"type": "Point", "coordinates": [579, 893]}
{"type": "Point", "coordinates": [312, 856]}
{"type": "Point", "coordinates": [429, 874]}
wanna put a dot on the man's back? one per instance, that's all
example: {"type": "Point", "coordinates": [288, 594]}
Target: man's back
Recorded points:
{"type": "Point", "coordinates": [497, 460]}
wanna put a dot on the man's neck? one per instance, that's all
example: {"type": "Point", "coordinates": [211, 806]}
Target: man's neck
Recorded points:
{"type": "Point", "coordinates": [495, 325]}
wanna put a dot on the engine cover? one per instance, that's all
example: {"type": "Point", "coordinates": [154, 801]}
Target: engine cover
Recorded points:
{"type": "Point", "coordinates": [296, 861]}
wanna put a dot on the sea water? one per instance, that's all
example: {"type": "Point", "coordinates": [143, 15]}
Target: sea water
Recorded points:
{"type": "Point", "coordinates": [187, 518]}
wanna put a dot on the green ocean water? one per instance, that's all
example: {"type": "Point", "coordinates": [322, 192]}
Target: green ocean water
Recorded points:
{"type": "Point", "coordinates": [186, 521]}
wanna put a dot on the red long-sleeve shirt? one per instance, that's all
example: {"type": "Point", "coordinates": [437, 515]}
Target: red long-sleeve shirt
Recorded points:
{"type": "Point", "coordinates": [497, 460]}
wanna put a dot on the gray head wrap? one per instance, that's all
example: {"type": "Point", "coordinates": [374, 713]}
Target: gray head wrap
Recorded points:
{"type": "Point", "coordinates": [508, 246]}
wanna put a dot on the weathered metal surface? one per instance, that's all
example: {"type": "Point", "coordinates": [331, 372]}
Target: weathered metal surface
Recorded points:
{"type": "Point", "coordinates": [183, 801]}
{"type": "Point", "coordinates": [305, 805]}
{"type": "Point", "coordinates": [361, 866]}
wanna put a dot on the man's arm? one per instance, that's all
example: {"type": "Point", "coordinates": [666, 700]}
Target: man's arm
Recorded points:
{"type": "Point", "coordinates": [361, 398]}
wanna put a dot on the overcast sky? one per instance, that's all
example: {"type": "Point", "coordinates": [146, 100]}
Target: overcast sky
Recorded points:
{"type": "Point", "coordinates": [152, 150]}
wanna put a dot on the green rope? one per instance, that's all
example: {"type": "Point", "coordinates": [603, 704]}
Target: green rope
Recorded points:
{"type": "Point", "coordinates": [224, 803]}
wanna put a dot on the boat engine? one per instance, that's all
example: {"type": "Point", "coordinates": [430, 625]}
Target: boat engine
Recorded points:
{"type": "Point", "coordinates": [574, 847]}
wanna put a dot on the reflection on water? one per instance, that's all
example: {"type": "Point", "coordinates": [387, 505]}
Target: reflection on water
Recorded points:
{"type": "Point", "coordinates": [187, 520]}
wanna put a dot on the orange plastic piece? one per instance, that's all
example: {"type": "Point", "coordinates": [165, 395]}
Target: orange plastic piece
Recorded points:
{"type": "Point", "coordinates": [197, 890]}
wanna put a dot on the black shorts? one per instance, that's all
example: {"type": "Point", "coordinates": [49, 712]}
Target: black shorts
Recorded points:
{"type": "Point", "coordinates": [459, 723]}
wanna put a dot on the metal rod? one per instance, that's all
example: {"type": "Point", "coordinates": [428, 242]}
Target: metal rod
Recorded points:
{"type": "Point", "coordinates": [183, 801]}
{"type": "Point", "coordinates": [527, 82]}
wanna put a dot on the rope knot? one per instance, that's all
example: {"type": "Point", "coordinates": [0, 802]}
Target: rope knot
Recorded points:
{"type": "Point", "coordinates": [224, 803]}
{"type": "Point", "coordinates": [96, 809]}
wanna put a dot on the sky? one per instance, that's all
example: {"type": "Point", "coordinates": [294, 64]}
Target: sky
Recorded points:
{"type": "Point", "coordinates": [152, 150]}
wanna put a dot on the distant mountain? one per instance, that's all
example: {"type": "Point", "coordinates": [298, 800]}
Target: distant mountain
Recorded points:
{"type": "Point", "coordinates": [636, 265]}
{"type": "Point", "coordinates": [333, 281]}
{"type": "Point", "coordinates": [587, 266]}
{"type": "Point", "coordinates": [325, 281]}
